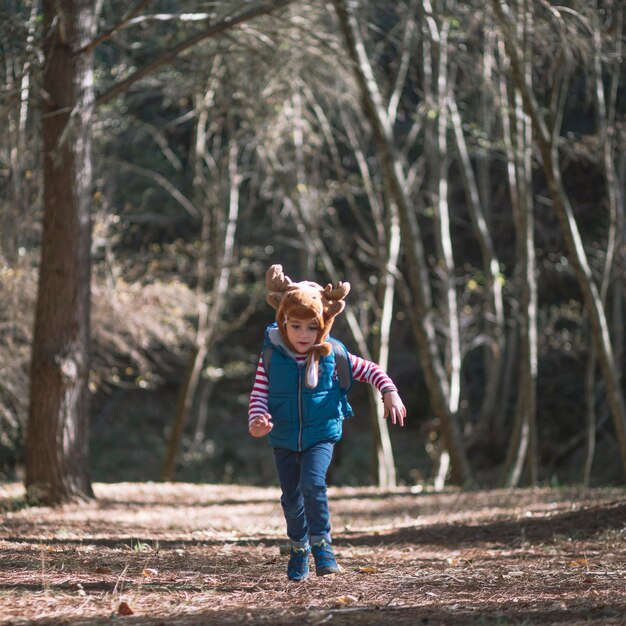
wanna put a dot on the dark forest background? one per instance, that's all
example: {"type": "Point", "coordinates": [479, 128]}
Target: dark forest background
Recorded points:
{"type": "Point", "coordinates": [462, 164]}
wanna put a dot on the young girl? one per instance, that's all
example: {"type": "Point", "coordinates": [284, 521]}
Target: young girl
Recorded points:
{"type": "Point", "coordinates": [300, 401]}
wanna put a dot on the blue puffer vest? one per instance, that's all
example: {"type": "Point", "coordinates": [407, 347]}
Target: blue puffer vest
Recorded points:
{"type": "Point", "coordinates": [301, 416]}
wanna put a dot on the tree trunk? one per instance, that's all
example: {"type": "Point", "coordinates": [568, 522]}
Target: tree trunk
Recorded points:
{"type": "Point", "coordinates": [605, 116]}
{"type": "Point", "coordinates": [421, 312]}
{"type": "Point", "coordinates": [385, 466]}
{"type": "Point", "coordinates": [306, 207]}
{"type": "Point", "coordinates": [15, 212]}
{"type": "Point", "coordinates": [209, 315]}
{"type": "Point", "coordinates": [388, 238]}
{"type": "Point", "coordinates": [57, 431]}
{"type": "Point", "coordinates": [548, 148]}
{"type": "Point", "coordinates": [439, 155]}
{"type": "Point", "coordinates": [491, 265]}
{"type": "Point", "coordinates": [508, 110]}
{"type": "Point", "coordinates": [522, 446]}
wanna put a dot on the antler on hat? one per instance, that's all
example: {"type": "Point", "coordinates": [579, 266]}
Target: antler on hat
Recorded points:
{"type": "Point", "coordinates": [305, 300]}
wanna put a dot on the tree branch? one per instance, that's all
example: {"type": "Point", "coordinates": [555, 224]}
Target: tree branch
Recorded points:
{"type": "Point", "coordinates": [260, 8]}
{"type": "Point", "coordinates": [109, 33]}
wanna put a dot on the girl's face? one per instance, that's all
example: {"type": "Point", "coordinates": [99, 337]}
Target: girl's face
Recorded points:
{"type": "Point", "coordinates": [302, 334]}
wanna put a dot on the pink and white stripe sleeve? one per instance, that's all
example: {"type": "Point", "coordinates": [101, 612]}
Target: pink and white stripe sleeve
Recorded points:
{"type": "Point", "coordinates": [370, 372]}
{"type": "Point", "coordinates": [259, 395]}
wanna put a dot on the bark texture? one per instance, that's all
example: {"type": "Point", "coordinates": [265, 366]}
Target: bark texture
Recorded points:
{"type": "Point", "coordinates": [57, 432]}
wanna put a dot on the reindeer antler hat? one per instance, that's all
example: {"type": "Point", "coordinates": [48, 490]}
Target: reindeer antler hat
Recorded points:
{"type": "Point", "coordinates": [305, 300]}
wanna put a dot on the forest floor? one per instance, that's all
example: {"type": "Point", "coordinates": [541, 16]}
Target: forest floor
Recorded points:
{"type": "Point", "coordinates": [161, 554]}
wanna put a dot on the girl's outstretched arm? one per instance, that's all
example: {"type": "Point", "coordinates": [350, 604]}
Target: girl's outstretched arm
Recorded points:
{"type": "Point", "coordinates": [370, 372]}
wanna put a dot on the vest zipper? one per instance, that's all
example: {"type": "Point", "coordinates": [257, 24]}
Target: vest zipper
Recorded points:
{"type": "Point", "coordinates": [300, 411]}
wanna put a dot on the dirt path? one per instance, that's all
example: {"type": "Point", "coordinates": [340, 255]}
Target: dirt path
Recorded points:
{"type": "Point", "coordinates": [191, 555]}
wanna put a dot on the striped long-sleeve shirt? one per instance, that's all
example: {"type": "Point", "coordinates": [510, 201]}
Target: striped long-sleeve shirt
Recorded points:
{"type": "Point", "coordinates": [362, 370]}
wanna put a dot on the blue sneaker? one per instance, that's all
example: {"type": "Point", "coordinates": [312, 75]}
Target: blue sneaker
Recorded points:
{"type": "Point", "coordinates": [298, 566]}
{"type": "Point", "coordinates": [325, 562]}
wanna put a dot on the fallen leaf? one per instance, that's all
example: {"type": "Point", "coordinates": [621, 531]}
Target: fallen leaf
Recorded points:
{"type": "Point", "coordinates": [345, 600]}
{"type": "Point", "coordinates": [149, 571]}
{"type": "Point", "coordinates": [124, 609]}
{"type": "Point", "coordinates": [368, 569]}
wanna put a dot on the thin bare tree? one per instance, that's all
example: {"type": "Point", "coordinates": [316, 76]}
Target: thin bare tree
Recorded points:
{"type": "Point", "coordinates": [605, 107]}
{"type": "Point", "coordinates": [443, 399]}
{"type": "Point", "coordinates": [217, 250]}
{"type": "Point", "coordinates": [546, 138]}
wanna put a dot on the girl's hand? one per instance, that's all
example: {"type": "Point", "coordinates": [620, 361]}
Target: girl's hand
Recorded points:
{"type": "Point", "coordinates": [394, 407]}
{"type": "Point", "coordinates": [261, 425]}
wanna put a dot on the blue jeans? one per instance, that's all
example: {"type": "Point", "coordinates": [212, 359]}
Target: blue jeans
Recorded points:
{"type": "Point", "coordinates": [302, 477]}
